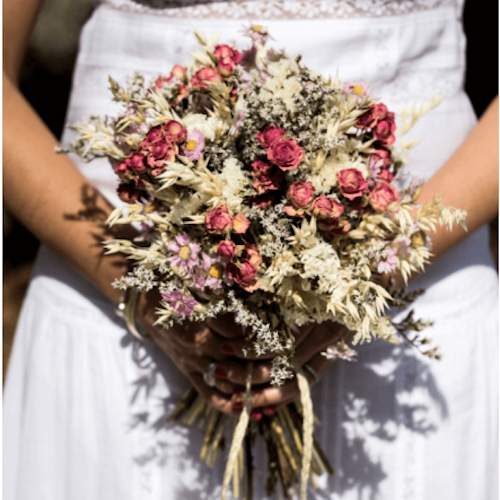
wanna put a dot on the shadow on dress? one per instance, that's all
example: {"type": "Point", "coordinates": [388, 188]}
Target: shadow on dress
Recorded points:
{"type": "Point", "coordinates": [367, 406]}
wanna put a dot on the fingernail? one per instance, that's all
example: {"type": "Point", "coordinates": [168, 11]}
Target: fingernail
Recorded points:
{"type": "Point", "coordinates": [237, 405]}
{"type": "Point", "coordinates": [270, 410]}
{"type": "Point", "coordinates": [227, 349]}
{"type": "Point", "coordinates": [219, 373]}
{"type": "Point", "coordinates": [256, 415]}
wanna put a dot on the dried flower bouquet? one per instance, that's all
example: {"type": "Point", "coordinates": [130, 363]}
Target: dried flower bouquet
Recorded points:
{"type": "Point", "coordinates": [265, 190]}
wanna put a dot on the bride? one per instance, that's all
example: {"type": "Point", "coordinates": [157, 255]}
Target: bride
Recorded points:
{"type": "Point", "coordinates": [85, 401]}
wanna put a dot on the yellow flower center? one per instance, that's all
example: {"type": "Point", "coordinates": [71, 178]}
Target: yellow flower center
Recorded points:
{"type": "Point", "coordinates": [185, 252]}
{"type": "Point", "coordinates": [358, 90]}
{"type": "Point", "coordinates": [149, 208]}
{"type": "Point", "coordinates": [418, 239]}
{"type": "Point", "coordinates": [190, 145]}
{"type": "Point", "coordinates": [257, 27]}
{"type": "Point", "coordinates": [215, 271]}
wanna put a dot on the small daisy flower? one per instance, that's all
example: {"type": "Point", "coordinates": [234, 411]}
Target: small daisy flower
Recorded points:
{"type": "Point", "coordinates": [257, 33]}
{"type": "Point", "coordinates": [358, 90]}
{"type": "Point", "coordinates": [390, 263]}
{"type": "Point", "coordinates": [185, 253]}
{"type": "Point", "coordinates": [214, 270]}
{"type": "Point", "coordinates": [181, 304]}
{"type": "Point", "coordinates": [195, 143]}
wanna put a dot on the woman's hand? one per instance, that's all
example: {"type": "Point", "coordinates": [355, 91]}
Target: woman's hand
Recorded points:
{"type": "Point", "coordinates": [192, 347]}
{"type": "Point", "coordinates": [311, 341]}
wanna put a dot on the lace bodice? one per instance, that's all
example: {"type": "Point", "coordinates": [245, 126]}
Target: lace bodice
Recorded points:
{"type": "Point", "coordinates": [276, 9]}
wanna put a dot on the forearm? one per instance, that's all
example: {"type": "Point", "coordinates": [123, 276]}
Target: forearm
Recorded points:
{"type": "Point", "coordinates": [46, 192]}
{"type": "Point", "coordinates": [469, 181]}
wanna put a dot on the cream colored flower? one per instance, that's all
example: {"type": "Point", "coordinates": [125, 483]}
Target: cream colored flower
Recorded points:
{"type": "Point", "coordinates": [234, 182]}
{"type": "Point", "coordinates": [282, 266]}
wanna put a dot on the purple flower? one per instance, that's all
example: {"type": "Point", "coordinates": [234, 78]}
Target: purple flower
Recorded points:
{"type": "Point", "coordinates": [195, 142]}
{"type": "Point", "coordinates": [185, 253]}
{"type": "Point", "coordinates": [181, 304]}
{"type": "Point", "coordinates": [213, 269]}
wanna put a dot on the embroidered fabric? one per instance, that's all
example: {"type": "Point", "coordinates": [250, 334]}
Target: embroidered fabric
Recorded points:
{"type": "Point", "coordinates": [276, 9]}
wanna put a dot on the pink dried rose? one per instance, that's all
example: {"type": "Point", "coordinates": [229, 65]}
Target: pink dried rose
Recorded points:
{"type": "Point", "coordinates": [385, 175]}
{"type": "Point", "coordinates": [159, 149]}
{"type": "Point", "coordinates": [175, 130]}
{"type": "Point", "coordinates": [382, 195]}
{"type": "Point", "coordinates": [326, 208]}
{"type": "Point", "coordinates": [158, 152]}
{"type": "Point", "coordinates": [266, 177]}
{"type": "Point", "coordinates": [219, 220]}
{"type": "Point", "coordinates": [384, 131]}
{"type": "Point", "coordinates": [227, 59]}
{"type": "Point", "coordinates": [195, 144]}
{"type": "Point", "coordinates": [286, 153]}
{"type": "Point", "coordinates": [244, 274]}
{"type": "Point", "coordinates": [226, 249]}
{"type": "Point", "coordinates": [226, 52]}
{"type": "Point", "coordinates": [352, 184]}
{"type": "Point", "coordinates": [301, 194]}
{"type": "Point", "coordinates": [179, 72]}
{"type": "Point", "coordinates": [251, 253]}
{"type": "Point", "coordinates": [203, 77]}
{"type": "Point", "coordinates": [226, 67]}
{"type": "Point", "coordinates": [129, 192]}
{"type": "Point", "coordinates": [270, 135]}
{"type": "Point", "coordinates": [136, 163]}
{"type": "Point", "coordinates": [155, 134]}
{"type": "Point", "coordinates": [240, 224]}
{"type": "Point", "coordinates": [159, 144]}
{"type": "Point", "coordinates": [376, 113]}
{"type": "Point", "coordinates": [122, 170]}
{"type": "Point", "coordinates": [382, 157]}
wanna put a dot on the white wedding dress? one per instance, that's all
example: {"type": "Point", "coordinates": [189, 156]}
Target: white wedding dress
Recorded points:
{"type": "Point", "coordinates": [84, 402]}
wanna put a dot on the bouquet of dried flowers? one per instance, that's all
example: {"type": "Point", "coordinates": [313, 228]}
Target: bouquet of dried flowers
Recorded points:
{"type": "Point", "coordinates": [265, 190]}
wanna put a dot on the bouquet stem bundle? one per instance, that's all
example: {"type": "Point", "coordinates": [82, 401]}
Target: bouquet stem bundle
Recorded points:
{"type": "Point", "coordinates": [281, 431]}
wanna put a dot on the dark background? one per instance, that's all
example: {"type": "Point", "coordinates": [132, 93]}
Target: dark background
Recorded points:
{"type": "Point", "coordinates": [46, 81]}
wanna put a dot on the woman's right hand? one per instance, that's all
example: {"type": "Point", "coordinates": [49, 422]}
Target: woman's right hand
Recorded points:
{"type": "Point", "coordinates": [192, 346]}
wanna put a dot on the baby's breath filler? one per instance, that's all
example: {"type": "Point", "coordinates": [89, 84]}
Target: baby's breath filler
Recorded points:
{"type": "Point", "coordinates": [268, 191]}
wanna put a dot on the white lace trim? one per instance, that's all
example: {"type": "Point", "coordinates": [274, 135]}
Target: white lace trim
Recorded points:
{"type": "Point", "coordinates": [276, 9]}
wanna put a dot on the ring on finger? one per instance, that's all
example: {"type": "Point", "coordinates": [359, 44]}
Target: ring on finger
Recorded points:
{"type": "Point", "coordinates": [314, 374]}
{"type": "Point", "coordinates": [209, 374]}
